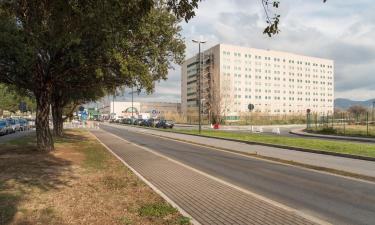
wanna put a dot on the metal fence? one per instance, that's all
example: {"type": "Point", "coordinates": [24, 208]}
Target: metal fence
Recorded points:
{"type": "Point", "coordinates": [342, 123]}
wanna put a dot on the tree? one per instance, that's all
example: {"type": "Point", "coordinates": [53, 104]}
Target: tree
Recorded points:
{"type": "Point", "coordinates": [157, 52]}
{"type": "Point", "coordinates": [42, 43]}
{"type": "Point", "coordinates": [10, 99]}
{"type": "Point", "coordinates": [357, 110]}
{"type": "Point", "coordinates": [64, 102]}
{"type": "Point", "coordinates": [272, 21]}
{"type": "Point", "coordinates": [225, 103]}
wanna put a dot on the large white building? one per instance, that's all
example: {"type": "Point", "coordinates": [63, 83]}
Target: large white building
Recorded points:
{"type": "Point", "coordinates": [275, 82]}
{"type": "Point", "coordinates": [128, 109]}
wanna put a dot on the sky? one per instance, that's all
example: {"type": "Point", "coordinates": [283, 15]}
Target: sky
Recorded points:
{"type": "Point", "coordinates": [340, 30]}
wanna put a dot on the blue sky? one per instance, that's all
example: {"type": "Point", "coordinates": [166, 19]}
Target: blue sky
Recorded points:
{"type": "Point", "coordinates": [340, 30]}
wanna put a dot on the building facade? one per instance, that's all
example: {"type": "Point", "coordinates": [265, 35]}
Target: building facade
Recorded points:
{"type": "Point", "coordinates": [127, 109]}
{"type": "Point", "coordinates": [275, 82]}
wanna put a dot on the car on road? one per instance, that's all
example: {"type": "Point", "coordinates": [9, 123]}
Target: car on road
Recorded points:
{"type": "Point", "coordinates": [14, 123]}
{"type": "Point", "coordinates": [143, 123]}
{"type": "Point", "coordinates": [5, 127]}
{"type": "Point", "coordinates": [137, 122]}
{"type": "Point", "coordinates": [164, 124]}
{"type": "Point", "coordinates": [150, 122]}
{"type": "Point", "coordinates": [24, 124]}
{"type": "Point", "coordinates": [119, 119]}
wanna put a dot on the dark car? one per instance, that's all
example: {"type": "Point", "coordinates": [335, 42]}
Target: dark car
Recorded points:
{"type": "Point", "coordinates": [143, 123]}
{"type": "Point", "coordinates": [164, 124]}
{"type": "Point", "coordinates": [137, 122]}
{"type": "Point", "coordinates": [148, 123]}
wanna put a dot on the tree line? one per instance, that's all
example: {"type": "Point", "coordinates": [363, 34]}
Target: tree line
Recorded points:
{"type": "Point", "coordinates": [64, 53]}
{"type": "Point", "coordinates": [68, 52]}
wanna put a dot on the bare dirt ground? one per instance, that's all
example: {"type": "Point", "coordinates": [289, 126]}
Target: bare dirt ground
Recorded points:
{"type": "Point", "coordinates": [78, 183]}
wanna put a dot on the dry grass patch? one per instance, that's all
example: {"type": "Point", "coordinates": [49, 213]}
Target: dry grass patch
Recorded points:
{"type": "Point", "coordinates": [79, 183]}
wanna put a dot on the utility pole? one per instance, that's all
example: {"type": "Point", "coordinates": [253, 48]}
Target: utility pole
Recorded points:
{"type": "Point", "coordinates": [132, 102]}
{"type": "Point", "coordinates": [199, 84]}
{"type": "Point", "coordinates": [132, 93]}
{"type": "Point", "coordinates": [113, 105]}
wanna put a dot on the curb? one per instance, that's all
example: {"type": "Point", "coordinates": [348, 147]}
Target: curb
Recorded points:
{"type": "Point", "coordinates": [326, 170]}
{"type": "Point", "coordinates": [292, 148]}
{"type": "Point", "coordinates": [366, 158]}
{"type": "Point", "coordinates": [153, 187]}
{"type": "Point", "coordinates": [193, 221]}
{"type": "Point", "coordinates": [335, 137]}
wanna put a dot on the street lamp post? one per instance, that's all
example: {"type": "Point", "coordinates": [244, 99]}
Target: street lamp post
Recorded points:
{"type": "Point", "coordinates": [113, 107]}
{"type": "Point", "coordinates": [199, 84]}
{"type": "Point", "coordinates": [132, 101]}
{"type": "Point", "coordinates": [132, 93]}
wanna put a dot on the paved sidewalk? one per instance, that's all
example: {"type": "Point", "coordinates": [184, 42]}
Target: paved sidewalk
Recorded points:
{"type": "Point", "coordinates": [357, 166]}
{"type": "Point", "coordinates": [345, 138]}
{"type": "Point", "coordinates": [207, 200]}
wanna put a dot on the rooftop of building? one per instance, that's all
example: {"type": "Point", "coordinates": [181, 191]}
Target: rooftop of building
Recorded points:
{"type": "Point", "coordinates": [264, 51]}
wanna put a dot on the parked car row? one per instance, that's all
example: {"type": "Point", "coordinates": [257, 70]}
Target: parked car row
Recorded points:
{"type": "Point", "coordinates": [158, 123]}
{"type": "Point", "coordinates": [12, 125]}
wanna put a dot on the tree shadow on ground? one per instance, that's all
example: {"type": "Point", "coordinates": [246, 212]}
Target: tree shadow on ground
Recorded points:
{"type": "Point", "coordinates": [70, 138]}
{"type": "Point", "coordinates": [24, 169]}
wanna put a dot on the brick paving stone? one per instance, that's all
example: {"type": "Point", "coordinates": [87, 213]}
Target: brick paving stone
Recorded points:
{"type": "Point", "coordinates": [207, 200]}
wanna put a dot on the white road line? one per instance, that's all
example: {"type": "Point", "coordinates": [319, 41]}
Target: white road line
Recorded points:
{"type": "Point", "coordinates": [280, 205]}
{"type": "Point", "coordinates": [252, 157]}
{"type": "Point", "coordinates": [157, 190]}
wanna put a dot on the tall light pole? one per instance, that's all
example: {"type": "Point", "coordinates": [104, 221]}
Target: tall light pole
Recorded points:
{"type": "Point", "coordinates": [132, 93]}
{"type": "Point", "coordinates": [113, 102]}
{"type": "Point", "coordinates": [199, 83]}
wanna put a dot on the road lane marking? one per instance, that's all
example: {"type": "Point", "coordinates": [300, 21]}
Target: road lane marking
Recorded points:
{"type": "Point", "coordinates": [153, 187]}
{"type": "Point", "coordinates": [244, 154]}
{"type": "Point", "coordinates": [280, 205]}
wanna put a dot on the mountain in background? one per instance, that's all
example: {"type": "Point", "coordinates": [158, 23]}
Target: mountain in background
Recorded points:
{"type": "Point", "coordinates": [344, 103]}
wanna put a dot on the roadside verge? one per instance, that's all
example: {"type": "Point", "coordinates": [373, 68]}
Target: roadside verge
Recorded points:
{"type": "Point", "coordinates": [351, 168]}
{"type": "Point", "coordinates": [286, 147]}
{"type": "Point", "coordinates": [335, 137]}
{"type": "Point", "coordinates": [206, 198]}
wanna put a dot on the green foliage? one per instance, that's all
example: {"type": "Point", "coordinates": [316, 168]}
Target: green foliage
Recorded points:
{"type": "Point", "coordinates": [184, 220]}
{"type": "Point", "coordinates": [74, 51]}
{"type": "Point", "coordinates": [158, 210]}
{"type": "Point", "coordinates": [272, 21]}
{"type": "Point", "coordinates": [8, 207]}
{"type": "Point", "coordinates": [323, 145]}
{"type": "Point", "coordinates": [10, 99]}
{"type": "Point", "coordinates": [125, 220]}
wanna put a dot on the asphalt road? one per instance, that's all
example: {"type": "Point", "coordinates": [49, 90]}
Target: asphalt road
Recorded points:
{"type": "Point", "coordinates": [332, 198]}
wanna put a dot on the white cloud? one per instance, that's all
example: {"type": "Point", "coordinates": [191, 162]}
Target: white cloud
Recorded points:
{"type": "Point", "coordinates": [341, 30]}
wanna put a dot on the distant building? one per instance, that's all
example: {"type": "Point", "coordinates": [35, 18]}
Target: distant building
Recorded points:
{"type": "Point", "coordinates": [125, 109]}
{"type": "Point", "coordinates": [274, 82]}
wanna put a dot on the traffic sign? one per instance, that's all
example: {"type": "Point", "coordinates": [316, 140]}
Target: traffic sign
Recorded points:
{"type": "Point", "coordinates": [250, 107]}
{"type": "Point", "coordinates": [22, 107]}
{"type": "Point", "coordinates": [154, 113]}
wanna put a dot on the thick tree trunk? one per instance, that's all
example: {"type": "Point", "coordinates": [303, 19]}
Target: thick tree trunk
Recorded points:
{"type": "Point", "coordinates": [58, 122]}
{"type": "Point", "coordinates": [43, 133]}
